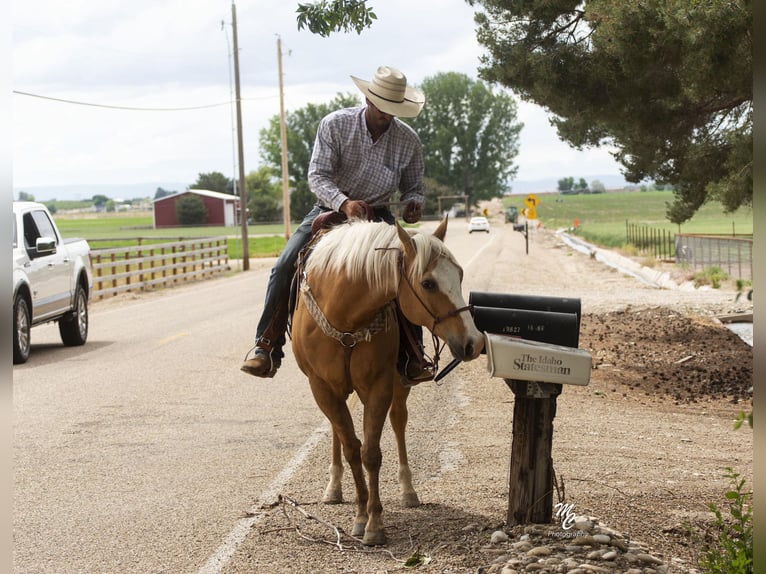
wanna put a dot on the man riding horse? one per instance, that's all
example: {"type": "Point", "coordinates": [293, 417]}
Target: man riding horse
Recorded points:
{"type": "Point", "coordinates": [361, 157]}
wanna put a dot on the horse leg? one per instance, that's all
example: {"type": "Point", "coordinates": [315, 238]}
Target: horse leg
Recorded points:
{"type": "Point", "coordinates": [336, 411]}
{"type": "Point", "coordinates": [375, 410]}
{"type": "Point", "coordinates": [333, 494]}
{"type": "Point", "coordinates": [398, 417]}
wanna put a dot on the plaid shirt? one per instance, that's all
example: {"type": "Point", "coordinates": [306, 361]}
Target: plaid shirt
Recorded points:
{"type": "Point", "coordinates": [346, 164]}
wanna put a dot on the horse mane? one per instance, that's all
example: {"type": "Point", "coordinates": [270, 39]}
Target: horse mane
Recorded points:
{"type": "Point", "coordinates": [369, 251]}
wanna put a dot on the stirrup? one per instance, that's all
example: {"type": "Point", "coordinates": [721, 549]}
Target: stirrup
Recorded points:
{"type": "Point", "coordinates": [274, 363]}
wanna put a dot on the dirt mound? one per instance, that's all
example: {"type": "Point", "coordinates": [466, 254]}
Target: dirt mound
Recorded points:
{"type": "Point", "coordinates": [659, 351]}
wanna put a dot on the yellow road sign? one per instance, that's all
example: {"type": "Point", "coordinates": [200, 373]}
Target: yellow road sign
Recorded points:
{"type": "Point", "coordinates": [531, 201]}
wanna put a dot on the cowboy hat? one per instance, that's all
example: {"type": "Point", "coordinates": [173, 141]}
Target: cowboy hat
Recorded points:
{"type": "Point", "coordinates": [389, 92]}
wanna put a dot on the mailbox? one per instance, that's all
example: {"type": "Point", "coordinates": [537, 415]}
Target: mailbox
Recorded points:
{"type": "Point", "coordinates": [531, 342]}
{"type": "Point", "coordinates": [531, 337]}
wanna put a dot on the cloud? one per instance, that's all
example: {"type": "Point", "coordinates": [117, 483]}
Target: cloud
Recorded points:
{"type": "Point", "coordinates": [176, 53]}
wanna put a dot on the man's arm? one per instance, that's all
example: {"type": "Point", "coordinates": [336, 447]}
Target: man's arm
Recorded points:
{"type": "Point", "coordinates": [322, 166]}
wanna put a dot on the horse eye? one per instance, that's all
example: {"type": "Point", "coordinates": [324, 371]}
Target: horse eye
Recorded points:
{"type": "Point", "coordinates": [428, 284]}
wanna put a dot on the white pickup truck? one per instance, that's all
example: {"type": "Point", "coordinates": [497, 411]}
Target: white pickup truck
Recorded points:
{"type": "Point", "coordinates": [52, 279]}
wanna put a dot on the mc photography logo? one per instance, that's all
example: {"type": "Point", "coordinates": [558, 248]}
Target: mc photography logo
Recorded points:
{"type": "Point", "coordinates": [567, 517]}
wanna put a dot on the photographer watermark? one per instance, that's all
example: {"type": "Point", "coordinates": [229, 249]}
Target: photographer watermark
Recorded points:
{"type": "Point", "coordinates": [567, 517]}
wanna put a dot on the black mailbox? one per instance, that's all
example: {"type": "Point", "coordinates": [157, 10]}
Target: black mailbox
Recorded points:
{"type": "Point", "coordinates": [554, 320]}
{"type": "Point", "coordinates": [543, 326]}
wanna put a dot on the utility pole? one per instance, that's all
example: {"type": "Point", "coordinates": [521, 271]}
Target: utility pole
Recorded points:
{"type": "Point", "coordinates": [283, 135]}
{"type": "Point", "coordinates": [241, 153]}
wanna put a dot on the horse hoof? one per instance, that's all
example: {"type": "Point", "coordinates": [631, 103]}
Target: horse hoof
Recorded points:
{"type": "Point", "coordinates": [410, 500]}
{"type": "Point", "coordinates": [332, 498]}
{"type": "Point", "coordinates": [358, 530]}
{"type": "Point", "coordinates": [374, 538]}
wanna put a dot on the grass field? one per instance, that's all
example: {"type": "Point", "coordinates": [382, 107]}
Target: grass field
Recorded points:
{"type": "Point", "coordinates": [105, 230]}
{"type": "Point", "coordinates": [603, 216]}
{"type": "Point", "coordinates": [602, 221]}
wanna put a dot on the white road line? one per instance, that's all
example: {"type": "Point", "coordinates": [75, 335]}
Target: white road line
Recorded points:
{"type": "Point", "coordinates": [237, 536]}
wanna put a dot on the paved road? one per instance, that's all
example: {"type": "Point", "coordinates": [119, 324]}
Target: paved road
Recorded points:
{"type": "Point", "coordinates": [141, 451]}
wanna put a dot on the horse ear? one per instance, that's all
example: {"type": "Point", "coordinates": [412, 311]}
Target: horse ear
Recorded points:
{"type": "Point", "coordinates": [404, 237]}
{"type": "Point", "coordinates": [441, 231]}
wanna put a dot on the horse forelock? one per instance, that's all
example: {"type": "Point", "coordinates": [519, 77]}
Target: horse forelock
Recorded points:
{"type": "Point", "coordinates": [369, 251]}
{"type": "Point", "coordinates": [361, 250]}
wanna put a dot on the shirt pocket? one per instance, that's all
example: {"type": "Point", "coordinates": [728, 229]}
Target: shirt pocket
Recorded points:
{"type": "Point", "coordinates": [391, 176]}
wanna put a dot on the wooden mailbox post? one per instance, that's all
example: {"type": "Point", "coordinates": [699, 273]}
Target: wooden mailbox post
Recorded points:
{"type": "Point", "coordinates": [532, 344]}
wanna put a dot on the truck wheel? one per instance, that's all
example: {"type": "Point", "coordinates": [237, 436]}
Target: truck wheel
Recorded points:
{"type": "Point", "coordinates": [73, 327]}
{"type": "Point", "coordinates": [22, 322]}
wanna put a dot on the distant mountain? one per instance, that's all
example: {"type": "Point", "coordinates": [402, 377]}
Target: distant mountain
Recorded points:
{"type": "Point", "coordinates": [552, 184]}
{"type": "Point", "coordinates": [86, 191]}
{"type": "Point", "coordinates": [148, 189]}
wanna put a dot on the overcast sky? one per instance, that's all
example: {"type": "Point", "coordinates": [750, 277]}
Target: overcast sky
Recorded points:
{"type": "Point", "coordinates": [177, 54]}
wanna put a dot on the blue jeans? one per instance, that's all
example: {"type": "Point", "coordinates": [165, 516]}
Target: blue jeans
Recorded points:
{"type": "Point", "coordinates": [273, 322]}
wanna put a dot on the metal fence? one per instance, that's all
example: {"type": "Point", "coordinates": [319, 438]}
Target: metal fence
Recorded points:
{"type": "Point", "coordinates": [732, 254]}
{"type": "Point", "coordinates": [659, 242]}
{"type": "Point", "coordinates": [140, 267]}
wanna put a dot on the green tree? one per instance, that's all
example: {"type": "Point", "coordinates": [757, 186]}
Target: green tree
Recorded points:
{"type": "Point", "coordinates": [160, 193]}
{"type": "Point", "coordinates": [264, 195]}
{"type": "Point", "coordinates": [324, 17]}
{"type": "Point", "coordinates": [581, 186]}
{"type": "Point", "coordinates": [213, 181]}
{"type": "Point", "coordinates": [191, 210]}
{"type": "Point", "coordinates": [99, 200]}
{"type": "Point", "coordinates": [469, 134]}
{"type": "Point", "coordinates": [596, 186]}
{"type": "Point", "coordinates": [435, 190]}
{"type": "Point", "coordinates": [24, 196]}
{"type": "Point", "coordinates": [301, 200]}
{"type": "Point", "coordinates": [668, 83]}
{"type": "Point", "coordinates": [566, 184]}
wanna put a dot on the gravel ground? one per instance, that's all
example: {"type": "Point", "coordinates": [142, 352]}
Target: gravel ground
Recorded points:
{"type": "Point", "coordinates": [640, 451]}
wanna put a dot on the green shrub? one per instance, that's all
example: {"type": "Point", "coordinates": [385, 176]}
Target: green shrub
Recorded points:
{"type": "Point", "coordinates": [731, 551]}
{"type": "Point", "coordinates": [712, 276]}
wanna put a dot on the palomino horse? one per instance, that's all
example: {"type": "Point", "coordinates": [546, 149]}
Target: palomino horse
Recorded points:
{"type": "Point", "coordinates": [345, 338]}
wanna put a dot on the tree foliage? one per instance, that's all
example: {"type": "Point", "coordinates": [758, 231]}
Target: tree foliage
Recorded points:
{"type": "Point", "coordinates": [264, 195]}
{"type": "Point", "coordinates": [213, 181]}
{"type": "Point", "coordinates": [324, 17]}
{"type": "Point", "coordinates": [469, 134]}
{"type": "Point", "coordinates": [191, 210]}
{"type": "Point", "coordinates": [668, 83]}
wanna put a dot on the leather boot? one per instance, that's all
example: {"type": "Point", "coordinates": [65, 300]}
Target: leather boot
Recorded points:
{"type": "Point", "coordinates": [268, 347]}
{"type": "Point", "coordinates": [263, 364]}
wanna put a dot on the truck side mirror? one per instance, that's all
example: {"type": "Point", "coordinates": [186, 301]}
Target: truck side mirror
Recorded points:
{"type": "Point", "coordinates": [45, 246]}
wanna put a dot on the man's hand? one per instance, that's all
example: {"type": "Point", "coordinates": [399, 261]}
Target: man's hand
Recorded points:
{"type": "Point", "coordinates": [358, 209]}
{"type": "Point", "coordinates": [412, 212]}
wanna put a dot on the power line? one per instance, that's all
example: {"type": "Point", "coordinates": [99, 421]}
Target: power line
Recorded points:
{"type": "Point", "coordinates": [132, 108]}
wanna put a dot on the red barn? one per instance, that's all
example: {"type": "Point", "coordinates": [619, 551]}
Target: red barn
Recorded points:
{"type": "Point", "coordinates": [222, 208]}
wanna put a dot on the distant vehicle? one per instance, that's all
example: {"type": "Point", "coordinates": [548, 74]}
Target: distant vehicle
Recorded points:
{"type": "Point", "coordinates": [478, 224]}
{"type": "Point", "coordinates": [52, 279]}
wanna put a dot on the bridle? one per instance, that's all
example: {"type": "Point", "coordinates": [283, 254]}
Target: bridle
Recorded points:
{"type": "Point", "coordinates": [414, 344]}
{"type": "Point", "coordinates": [437, 319]}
